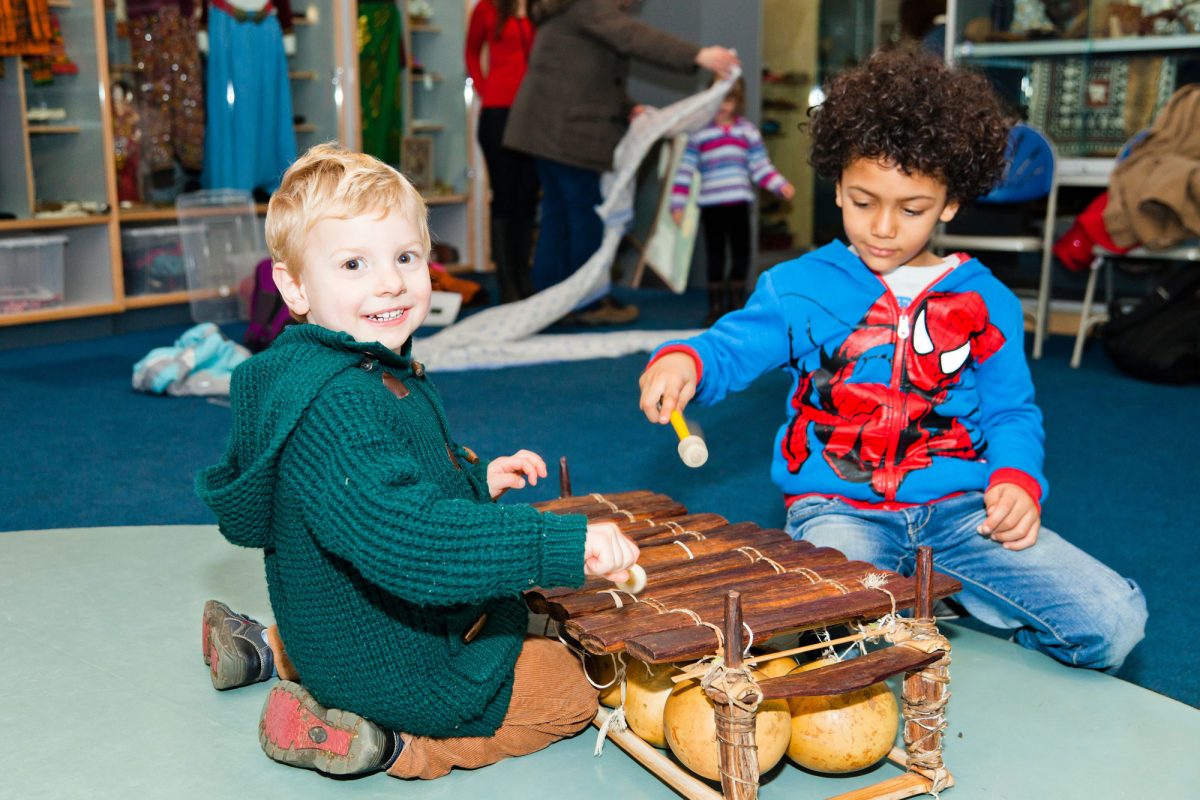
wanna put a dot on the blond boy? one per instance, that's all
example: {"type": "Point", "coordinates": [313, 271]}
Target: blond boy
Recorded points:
{"type": "Point", "coordinates": [394, 579]}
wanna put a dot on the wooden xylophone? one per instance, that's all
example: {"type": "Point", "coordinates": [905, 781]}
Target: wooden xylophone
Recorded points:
{"type": "Point", "coordinates": [714, 587]}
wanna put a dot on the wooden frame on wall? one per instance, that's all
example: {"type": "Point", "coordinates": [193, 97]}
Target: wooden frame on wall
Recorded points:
{"type": "Point", "coordinates": [416, 159]}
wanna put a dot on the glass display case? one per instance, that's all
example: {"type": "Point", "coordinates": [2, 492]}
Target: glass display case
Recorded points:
{"type": "Point", "coordinates": [1090, 74]}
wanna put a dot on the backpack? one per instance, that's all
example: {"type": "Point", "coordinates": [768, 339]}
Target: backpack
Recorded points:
{"type": "Point", "coordinates": [269, 315]}
{"type": "Point", "coordinates": [1158, 338]}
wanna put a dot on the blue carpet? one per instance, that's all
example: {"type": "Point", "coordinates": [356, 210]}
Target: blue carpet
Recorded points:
{"type": "Point", "coordinates": [82, 449]}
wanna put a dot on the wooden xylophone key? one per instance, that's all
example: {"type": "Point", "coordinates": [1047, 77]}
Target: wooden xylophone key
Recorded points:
{"type": "Point", "coordinates": [598, 504]}
{"type": "Point", "coordinates": [706, 573]}
{"type": "Point", "coordinates": [610, 631]}
{"type": "Point", "coordinates": [769, 616]}
{"type": "Point", "coordinates": [562, 505]}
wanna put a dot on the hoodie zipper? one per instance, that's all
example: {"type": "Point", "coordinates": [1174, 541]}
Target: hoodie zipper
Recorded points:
{"type": "Point", "coordinates": [896, 422]}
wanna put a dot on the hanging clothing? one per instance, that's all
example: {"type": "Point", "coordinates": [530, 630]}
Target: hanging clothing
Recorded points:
{"type": "Point", "coordinates": [25, 28]}
{"type": "Point", "coordinates": [249, 135]}
{"type": "Point", "coordinates": [162, 43]}
{"type": "Point", "coordinates": [380, 55]}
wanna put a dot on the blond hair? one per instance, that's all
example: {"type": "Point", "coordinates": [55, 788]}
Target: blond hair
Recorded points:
{"type": "Point", "coordinates": [331, 182]}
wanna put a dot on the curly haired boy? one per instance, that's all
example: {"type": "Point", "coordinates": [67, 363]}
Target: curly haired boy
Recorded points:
{"type": "Point", "coordinates": [910, 418]}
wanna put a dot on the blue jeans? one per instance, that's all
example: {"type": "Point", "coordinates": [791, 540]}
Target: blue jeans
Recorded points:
{"type": "Point", "coordinates": [1059, 599]}
{"type": "Point", "coordinates": [570, 230]}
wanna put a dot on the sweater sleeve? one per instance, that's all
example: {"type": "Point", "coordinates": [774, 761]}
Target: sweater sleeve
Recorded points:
{"type": "Point", "coordinates": [688, 164]}
{"type": "Point", "coordinates": [606, 21]}
{"type": "Point", "coordinates": [1009, 417]}
{"type": "Point", "coordinates": [367, 500]}
{"type": "Point", "coordinates": [762, 171]}
{"type": "Point", "coordinates": [477, 33]}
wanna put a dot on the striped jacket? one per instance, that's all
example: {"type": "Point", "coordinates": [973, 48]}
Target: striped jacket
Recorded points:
{"type": "Point", "coordinates": [728, 159]}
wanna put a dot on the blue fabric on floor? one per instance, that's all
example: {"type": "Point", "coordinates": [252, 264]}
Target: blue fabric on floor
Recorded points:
{"type": "Point", "coordinates": [82, 449]}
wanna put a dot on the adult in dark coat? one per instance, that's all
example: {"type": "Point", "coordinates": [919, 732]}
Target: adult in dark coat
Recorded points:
{"type": "Point", "coordinates": [570, 112]}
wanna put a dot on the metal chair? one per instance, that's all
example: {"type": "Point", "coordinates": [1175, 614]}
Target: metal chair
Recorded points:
{"type": "Point", "coordinates": [1104, 260]}
{"type": "Point", "coordinates": [222, 238]}
{"type": "Point", "coordinates": [1031, 175]}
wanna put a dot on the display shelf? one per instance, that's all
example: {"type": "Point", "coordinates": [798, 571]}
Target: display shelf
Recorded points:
{"type": "Point", "coordinates": [316, 75]}
{"type": "Point", "coordinates": [42, 130]}
{"type": "Point", "coordinates": [46, 223]}
{"type": "Point", "coordinates": [42, 163]}
{"type": "Point", "coordinates": [157, 300]}
{"type": "Point", "coordinates": [48, 161]}
{"type": "Point", "coordinates": [446, 199]}
{"type": "Point", "coordinates": [168, 213]}
{"type": "Point", "coordinates": [1068, 47]}
{"type": "Point", "coordinates": [436, 104]}
{"type": "Point", "coordinates": [60, 313]}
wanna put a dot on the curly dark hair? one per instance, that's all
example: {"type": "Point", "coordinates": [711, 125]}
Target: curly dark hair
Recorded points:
{"type": "Point", "coordinates": [910, 109]}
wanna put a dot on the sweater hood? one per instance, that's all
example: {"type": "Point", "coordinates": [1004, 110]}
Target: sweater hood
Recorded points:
{"type": "Point", "coordinates": [270, 394]}
{"type": "Point", "coordinates": [837, 255]}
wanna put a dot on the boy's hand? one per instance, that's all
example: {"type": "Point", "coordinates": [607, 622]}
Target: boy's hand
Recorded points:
{"type": "Point", "coordinates": [669, 383]}
{"type": "Point", "coordinates": [511, 472]}
{"type": "Point", "coordinates": [787, 191]}
{"type": "Point", "coordinates": [677, 216]}
{"type": "Point", "coordinates": [608, 552]}
{"type": "Point", "coordinates": [1013, 518]}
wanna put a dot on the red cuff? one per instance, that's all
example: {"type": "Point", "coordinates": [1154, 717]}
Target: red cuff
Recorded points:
{"type": "Point", "coordinates": [1018, 478]}
{"type": "Point", "coordinates": [686, 350]}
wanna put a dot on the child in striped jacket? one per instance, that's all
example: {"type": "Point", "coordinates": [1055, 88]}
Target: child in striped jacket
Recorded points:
{"type": "Point", "coordinates": [730, 158]}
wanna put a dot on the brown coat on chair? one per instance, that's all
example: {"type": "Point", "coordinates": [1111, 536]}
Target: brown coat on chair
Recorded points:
{"type": "Point", "coordinates": [1154, 194]}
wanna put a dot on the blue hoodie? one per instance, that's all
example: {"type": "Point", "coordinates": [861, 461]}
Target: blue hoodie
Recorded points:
{"type": "Point", "coordinates": [888, 407]}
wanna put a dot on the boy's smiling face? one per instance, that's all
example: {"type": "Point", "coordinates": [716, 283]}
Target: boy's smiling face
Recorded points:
{"type": "Point", "coordinates": [889, 216]}
{"type": "Point", "coordinates": [367, 276]}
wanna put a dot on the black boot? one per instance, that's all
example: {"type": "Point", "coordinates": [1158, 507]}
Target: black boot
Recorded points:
{"type": "Point", "coordinates": [737, 295]}
{"type": "Point", "coordinates": [521, 248]}
{"type": "Point", "coordinates": [506, 277]}
{"type": "Point", "coordinates": [716, 303]}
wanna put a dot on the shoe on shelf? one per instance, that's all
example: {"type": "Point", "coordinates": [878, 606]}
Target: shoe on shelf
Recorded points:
{"type": "Point", "coordinates": [234, 648]}
{"type": "Point", "coordinates": [609, 311]}
{"type": "Point", "coordinates": [297, 730]}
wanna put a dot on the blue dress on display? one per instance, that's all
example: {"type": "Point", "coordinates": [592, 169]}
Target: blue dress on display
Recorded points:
{"type": "Point", "coordinates": [249, 138]}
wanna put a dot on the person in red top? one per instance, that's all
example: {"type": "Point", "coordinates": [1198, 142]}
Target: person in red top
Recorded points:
{"type": "Point", "coordinates": [504, 28]}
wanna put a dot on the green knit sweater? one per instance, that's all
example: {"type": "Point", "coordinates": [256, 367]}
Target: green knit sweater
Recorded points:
{"type": "Point", "coordinates": [381, 543]}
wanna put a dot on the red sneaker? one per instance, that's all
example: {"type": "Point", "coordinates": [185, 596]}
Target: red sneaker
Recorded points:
{"type": "Point", "coordinates": [297, 730]}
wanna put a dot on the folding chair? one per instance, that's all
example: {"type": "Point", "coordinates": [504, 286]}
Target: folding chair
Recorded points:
{"type": "Point", "coordinates": [1104, 260]}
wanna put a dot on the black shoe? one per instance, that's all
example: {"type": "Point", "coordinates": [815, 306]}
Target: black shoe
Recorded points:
{"type": "Point", "coordinates": [297, 730]}
{"type": "Point", "coordinates": [234, 647]}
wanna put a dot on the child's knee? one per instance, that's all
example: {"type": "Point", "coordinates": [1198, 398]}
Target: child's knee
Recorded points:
{"type": "Point", "coordinates": [1124, 626]}
{"type": "Point", "coordinates": [1114, 623]}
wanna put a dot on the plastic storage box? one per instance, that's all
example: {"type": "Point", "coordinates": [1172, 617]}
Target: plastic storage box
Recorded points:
{"type": "Point", "coordinates": [31, 273]}
{"type": "Point", "coordinates": [153, 260]}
